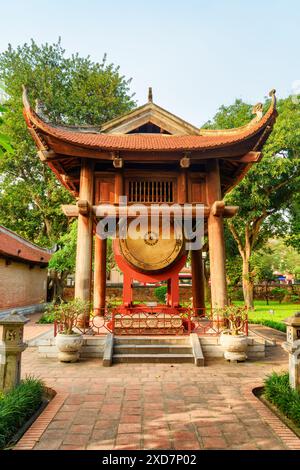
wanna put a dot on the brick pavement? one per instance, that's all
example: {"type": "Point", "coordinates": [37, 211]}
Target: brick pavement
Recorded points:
{"type": "Point", "coordinates": [156, 406]}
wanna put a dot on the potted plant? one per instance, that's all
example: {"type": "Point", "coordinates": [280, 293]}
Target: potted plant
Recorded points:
{"type": "Point", "coordinates": [69, 341]}
{"type": "Point", "coordinates": [233, 339]}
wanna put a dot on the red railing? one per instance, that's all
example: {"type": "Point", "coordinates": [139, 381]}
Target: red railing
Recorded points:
{"type": "Point", "coordinates": [158, 320]}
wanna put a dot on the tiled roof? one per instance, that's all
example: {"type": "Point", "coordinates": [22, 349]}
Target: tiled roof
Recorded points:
{"type": "Point", "coordinates": [12, 245]}
{"type": "Point", "coordinates": [149, 142]}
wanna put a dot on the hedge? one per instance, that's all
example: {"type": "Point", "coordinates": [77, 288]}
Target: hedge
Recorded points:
{"type": "Point", "coordinates": [278, 391]}
{"type": "Point", "coordinates": [17, 406]}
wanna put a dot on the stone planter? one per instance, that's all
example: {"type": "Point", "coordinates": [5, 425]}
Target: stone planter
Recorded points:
{"type": "Point", "coordinates": [69, 346]}
{"type": "Point", "coordinates": [235, 346]}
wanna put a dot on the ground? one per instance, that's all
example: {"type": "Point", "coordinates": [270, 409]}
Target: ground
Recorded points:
{"type": "Point", "coordinates": [156, 406]}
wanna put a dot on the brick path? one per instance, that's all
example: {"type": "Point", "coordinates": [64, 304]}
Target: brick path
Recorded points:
{"type": "Point", "coordinates": [155, 406]}
{"type": "Point", "coordinates": [33, 329]}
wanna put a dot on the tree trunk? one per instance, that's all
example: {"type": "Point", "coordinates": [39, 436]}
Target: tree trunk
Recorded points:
{"type": "Point", "coordinates": [247, 284]}
{"type": "Point", "coordinates": [56, 286]}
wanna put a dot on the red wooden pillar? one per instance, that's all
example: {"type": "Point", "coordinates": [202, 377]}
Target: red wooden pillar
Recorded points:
{"type": "Point", "coordinates": [100, 275]}
{"type": "Point", "coordinates": [198, 290]}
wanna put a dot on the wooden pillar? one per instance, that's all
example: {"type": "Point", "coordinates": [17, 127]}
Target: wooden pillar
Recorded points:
{"type": "Point", "coordinates": [119, 185]}
{"type": "Point", "coordinates": [216, 239]}
{"type": "Point", "coordinates": [99, 275]}
{"type": "Point", "coordinates": [198, 290]}
{"type": "Point", "coordinates": [182, 186]}
{"type": "Point", "coordinates": [85, 233]}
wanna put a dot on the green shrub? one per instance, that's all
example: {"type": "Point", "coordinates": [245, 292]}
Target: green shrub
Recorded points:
{"type": "Point", "coordinates": [279, 293]}
{"type": "Point", "coordinates": [278, 391]}
{"type": "Point", "coordinates": [295, 298]}
{"type": "Point", "coordinates": [277, 325]}
{"type": "Point", "coordinates": [47, 317]}
{"type": "Point", "coordinates": [17, 406]}
{"type": "Point", "coordinates": [160, 293]}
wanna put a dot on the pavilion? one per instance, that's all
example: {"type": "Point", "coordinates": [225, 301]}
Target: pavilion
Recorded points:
{"type": "Point", "coordinates": [141, 153]}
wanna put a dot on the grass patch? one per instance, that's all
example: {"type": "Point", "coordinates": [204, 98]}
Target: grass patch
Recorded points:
{"type": "Point", "coordinates": [17, 406]}
{"type": "Point", "coordinates": [278, 392]}
{"type": "Point", "coordinates": [271, 315]}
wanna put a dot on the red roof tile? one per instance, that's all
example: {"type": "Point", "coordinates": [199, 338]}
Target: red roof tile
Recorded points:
{"type": "Point", "coordinates": [149, 142]}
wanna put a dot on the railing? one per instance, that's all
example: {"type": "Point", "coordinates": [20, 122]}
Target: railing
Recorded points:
{"type": "Point", "coordinates": [158, 320]}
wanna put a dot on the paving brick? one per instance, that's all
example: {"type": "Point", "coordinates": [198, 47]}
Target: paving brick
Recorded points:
{"type": "Point", "coordinates": [215, 442]}
{"type": "Point", "coordinates": [81, 429]}
{"type": "Point", "coordinates": [155, 406]}
{"type": "Point", "coordinates": [129, 428]}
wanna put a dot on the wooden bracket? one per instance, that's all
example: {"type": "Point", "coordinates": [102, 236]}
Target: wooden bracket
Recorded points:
{"type": "Point", "coordinates": [217, 208]}
{"type": "Point", "coordinates": [83, 207]}
{"type": "Point", "coordinates": [185, 162]}
{"type": "Point", "coordinates": [118, 162]}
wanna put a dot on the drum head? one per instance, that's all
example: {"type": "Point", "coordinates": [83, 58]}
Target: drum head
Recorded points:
{"type": "Point", "coordinates": [151, 252]}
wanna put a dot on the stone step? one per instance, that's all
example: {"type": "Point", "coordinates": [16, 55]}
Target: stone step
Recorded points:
{"type": "Point", "coordinates": [152, 349]}
{"type": "Point", "coordinates": [182, 340]}
{"type": "Point", "coordinates": [154, 358]}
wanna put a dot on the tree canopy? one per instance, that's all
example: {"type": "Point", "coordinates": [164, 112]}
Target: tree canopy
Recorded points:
{"type": "Point", "coordinates": [70, 90]}
{"type": "Point", "coordinates": [264, 196]}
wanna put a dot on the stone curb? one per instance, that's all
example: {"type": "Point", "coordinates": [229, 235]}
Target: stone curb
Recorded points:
{"type": "Point", "coordinates": [281, 430]}
{"type": "Point", "coordinates": [33, 434]}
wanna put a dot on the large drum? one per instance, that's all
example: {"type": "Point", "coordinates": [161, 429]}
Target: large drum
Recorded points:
{"type": "Point", "coordinates": [151, 252]}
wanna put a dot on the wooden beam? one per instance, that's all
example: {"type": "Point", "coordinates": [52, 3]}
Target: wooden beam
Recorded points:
{"type": "Point", "coordinates": [103, 210]}
{"type": "Point", "coordinates": [250, 157]}
{"type": "Point", "coordinates": [45, 155]}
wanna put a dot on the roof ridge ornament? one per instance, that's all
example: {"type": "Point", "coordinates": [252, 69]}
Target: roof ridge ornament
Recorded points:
{"type": "Point", "coordinates": [258, 110]}
{"type": "Point", "coordinates": [150, 96]}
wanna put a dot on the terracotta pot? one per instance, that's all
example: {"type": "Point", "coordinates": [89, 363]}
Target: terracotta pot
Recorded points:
{"type": "Point", "coordinates": [235, 346]}
{"type": "Point", "coordinates": [69, 346]}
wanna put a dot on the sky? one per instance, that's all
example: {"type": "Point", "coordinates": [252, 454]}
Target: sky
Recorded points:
{"type": "Point", "coordinates": [196, 55]}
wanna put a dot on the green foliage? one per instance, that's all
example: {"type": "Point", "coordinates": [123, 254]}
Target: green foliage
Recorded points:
{"type": "Point", "coordinates": [293, 236]}
{"type": "Point", "coordinates": [279, 293]}
{"type": "Point", "coordinates": [227, 117]}
{"type": "Point", "coordinates": [71, 90]}
{"type": "Point", "coordinates": [48, 316]}
{"type": "Point", "coordinates": [17, 406]}
{"type": "Point", "coordinates": [279, 393]}
{"type": "Point", "coordinates": [277, 325]}
{"type": "Point", "coordinates": [160, 293]}
{"type": "Point", "coordinates": [4, 139]}
{"type": "Point", "coordinates": [234, 293]}
{"type": "Point", "coordinates": [264, 195]}
{"type": "Point", "coordinates": [64, 259]}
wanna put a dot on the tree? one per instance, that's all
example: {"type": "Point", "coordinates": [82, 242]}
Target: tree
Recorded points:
{"type": "Point", "coordinates": [264, 195]}
{"type": "Point", "coordinates": [4, 139]}
{"type": "Point", "coordinates": [293, 237]}
{"type": "Point", "coordinates": [71, 90]}
{"type": "Point", "coordinates": [62, 262]}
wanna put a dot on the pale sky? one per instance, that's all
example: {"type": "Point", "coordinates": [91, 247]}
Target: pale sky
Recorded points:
{"type": "Point", "coordinates": [196, 55]}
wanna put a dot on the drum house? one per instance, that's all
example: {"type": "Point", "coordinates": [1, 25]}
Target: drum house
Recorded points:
{"type": "Point", "coordinates": [152, 157]}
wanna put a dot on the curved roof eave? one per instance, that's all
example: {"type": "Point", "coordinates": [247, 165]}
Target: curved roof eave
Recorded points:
{"type": "Point", "coordinates": [208, 139]}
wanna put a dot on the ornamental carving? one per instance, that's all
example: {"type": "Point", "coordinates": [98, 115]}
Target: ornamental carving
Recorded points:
{"type": "Point", "coordinates": [11, 335]}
